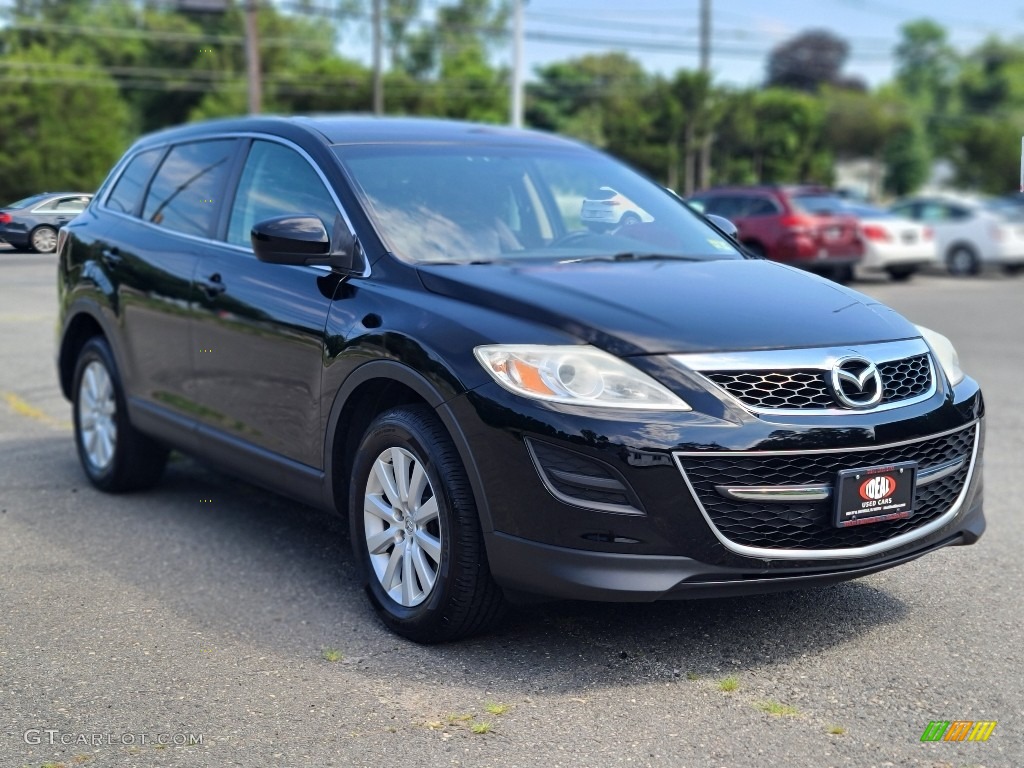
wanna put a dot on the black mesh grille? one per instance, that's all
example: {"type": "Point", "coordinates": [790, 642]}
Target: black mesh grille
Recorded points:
{"type": "Point", "coordinates": [809, 526]}
{"type": "Point", "coordinates": [805, 389]}
{"type": "Point", "coordinates": [776, 389]}
{"type": "Point", "coordinates": [906, 378]}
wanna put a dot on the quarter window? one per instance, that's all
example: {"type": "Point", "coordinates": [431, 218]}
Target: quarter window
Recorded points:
{"type": "Point", "coordinates": [184, 194]}
{"type": "Point", "coordinates": [127, 193]}
{"type": "Point", "coordinates": [277, 181]}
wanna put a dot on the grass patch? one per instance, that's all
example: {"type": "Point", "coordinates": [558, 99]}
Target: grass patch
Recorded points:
{"type": "Point", "coordinates": [332, 655]}
{"type": "Point", "coordinates": [836, 730]}
{"type": "Point", "coordinates": [729, 684]}
{"type": "Point", "coordinates": [480, 728]}
{"type": "Point", "coordinates": [453, 718]}
{"type": "Point", "coordinates": [496, 709]}
{"type": "Point", "coordinates": [775, 708]}
{"type": "Point", "coordinates": [691, 676]}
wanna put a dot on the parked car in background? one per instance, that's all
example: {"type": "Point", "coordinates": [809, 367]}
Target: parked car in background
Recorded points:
{"type": "Point", "coordinates": [970, 233]}
{"type": "Point", "coordinates": [892, 244]}
{"type": "Point", "coordinates": [607, 207]}
{"type": "Point", "coordinates": [34, 222]}
{"type": "Point", "coordinates": [774, 222]}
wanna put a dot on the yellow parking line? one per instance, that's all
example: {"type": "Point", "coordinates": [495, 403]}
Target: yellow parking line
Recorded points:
{"type": "Point", "coordinates": [26, 318]}
{"type": "Point", "coordinates": [22, 408]}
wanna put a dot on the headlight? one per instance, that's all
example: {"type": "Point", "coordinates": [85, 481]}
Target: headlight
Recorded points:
{"type": "Point", "coordinates": [945, 352]}
{"type": "Point", "coordinates": [577, 375]}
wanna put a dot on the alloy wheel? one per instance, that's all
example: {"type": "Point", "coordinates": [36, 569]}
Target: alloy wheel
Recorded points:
{"type": "Point", "coordinates": [44, 240]}
{"type": "Point", "coordinates": [97, 408]}
{"type": "Point", "coordinates": [402, 527]}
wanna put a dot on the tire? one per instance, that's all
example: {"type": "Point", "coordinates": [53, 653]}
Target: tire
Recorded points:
{"type": "Point", "coordinates": [1013, 269]}
{"type": "Point", "coordinates": [901, 274]}
{"type": "Point", "coordinates": [841, 275]}
{"type": "Point", "coordinates": [43, 239]}
{"type": "Point", "coordinates": [443, 589]}
{"type": "Point", "coordinates": [629, 219]}
{"type": "Point", "coordinates": [962, 260]}
{"type": "Point", "coordinates": [756, 250]}
{"type": "Point", "coordinates": [115, 456]}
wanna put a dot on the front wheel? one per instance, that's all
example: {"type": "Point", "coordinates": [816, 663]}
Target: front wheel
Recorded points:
{"type": "Point", "coordinates": [416, 532]}
{"type": "Point", "coordinates": [115, 456]}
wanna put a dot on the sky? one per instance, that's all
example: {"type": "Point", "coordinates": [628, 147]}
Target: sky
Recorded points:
{"type": "Point", "coordinates": [745, 31]}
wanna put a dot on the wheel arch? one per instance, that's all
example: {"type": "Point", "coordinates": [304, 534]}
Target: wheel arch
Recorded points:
{"type": "Point", "coordinates": [79, 328]}
{"type": "Point", "coordinates": [368, 391]}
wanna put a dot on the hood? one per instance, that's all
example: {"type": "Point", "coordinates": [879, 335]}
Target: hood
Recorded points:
{"type": "Point", "coordinates": [655, 307]}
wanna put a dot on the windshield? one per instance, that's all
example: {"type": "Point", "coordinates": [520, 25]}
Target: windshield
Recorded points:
{"type": "Point", "coordinates": [823, 205]}
{"type": "Point", "coordinates": [468, 203]}
{"type": "Point", "coordinates": [26, 202]}
{"type": "Point", "coordinates": [1005, 209]}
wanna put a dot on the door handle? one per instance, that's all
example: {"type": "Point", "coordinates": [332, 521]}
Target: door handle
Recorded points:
{"type": "Point", "coordinates": [112, 255]}
{"type": "Point", "coordinates": [213, 286]}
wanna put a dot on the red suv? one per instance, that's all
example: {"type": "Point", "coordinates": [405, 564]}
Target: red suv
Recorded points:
{"type": "Point", "coordinates": [791, 224]}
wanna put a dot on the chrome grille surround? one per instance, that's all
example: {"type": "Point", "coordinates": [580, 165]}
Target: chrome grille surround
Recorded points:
{"type": "Point", "coordinates": [794, 381]}
{"type": "Point", "coordinates": [937, 519]}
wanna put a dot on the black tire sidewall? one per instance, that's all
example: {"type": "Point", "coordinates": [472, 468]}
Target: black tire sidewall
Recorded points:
{"type": "Point", "coordinates": [394, 431]}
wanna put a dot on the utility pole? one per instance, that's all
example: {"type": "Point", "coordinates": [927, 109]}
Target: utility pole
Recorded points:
{"type": "Point", "coordinates": [378, 59]}
{"type": "Point", "coordinates": [516, 117]}
{"type": "Point", "coordinates": [705, 35]}
{"type": "Point", "coordinates": [252, 58]}
{"type": "Point", "coordinates": [705, 68]}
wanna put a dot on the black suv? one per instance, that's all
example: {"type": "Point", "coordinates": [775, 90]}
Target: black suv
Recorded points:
{"type": "Point", "coordinates": [409, 323]}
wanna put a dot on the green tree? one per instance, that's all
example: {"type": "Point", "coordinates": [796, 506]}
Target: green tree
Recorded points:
{"type": "Point", "coordinates": [906, 156]}
{"type": "Point", "coordinates": [59, 133]}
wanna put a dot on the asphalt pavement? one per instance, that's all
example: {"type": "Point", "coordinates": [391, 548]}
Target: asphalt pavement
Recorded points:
{"type": "Point", "coordinates": [210, 623]}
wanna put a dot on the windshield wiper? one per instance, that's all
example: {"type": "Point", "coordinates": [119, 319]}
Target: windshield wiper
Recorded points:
{"type": "Point", "coordinates": [630, 256]}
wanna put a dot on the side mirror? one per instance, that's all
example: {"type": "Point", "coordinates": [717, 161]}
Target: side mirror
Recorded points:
{"type": "Point", "coordinates": [302, 240]}
{"type": "Point", "coordinates": [723, 224]}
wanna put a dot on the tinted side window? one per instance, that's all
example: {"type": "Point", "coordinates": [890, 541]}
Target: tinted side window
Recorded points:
{"type": "Point", "coordinates": [760, 206]}
{"type": "Point", "coordinates": [277, 181]}
{"type": "Point", "coordinates": [127, 193]}
{"type": "Point", "coordinates": [721, 206]}
{"type": "Point", "coordinates": [184, 195]}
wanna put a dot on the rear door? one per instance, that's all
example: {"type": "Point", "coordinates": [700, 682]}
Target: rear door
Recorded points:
{"type": "Point", "coordinates": [258, 329]}
{"type": "Point", "coordinates": [159, 223]}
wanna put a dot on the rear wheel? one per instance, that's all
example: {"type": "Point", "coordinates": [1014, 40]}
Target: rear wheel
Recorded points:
{"type": "Point", "coordinates": [43, 239]}
{"type": "Point", "coordinates": [962, 260]}
{"type": "Point", "coordinates": [1013, 269]}
{"type": "Point", "coordinates": [901, 274]}
{"type": "Point", "coordinates": [115, 456]}
{"type": "Point", "coordinates": [416, 531]}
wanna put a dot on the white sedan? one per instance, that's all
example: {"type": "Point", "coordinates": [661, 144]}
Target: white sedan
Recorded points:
{"type": "Point", "coordinates": [970, 233]}
{"type": "Point", "coordinates": [892, 243]}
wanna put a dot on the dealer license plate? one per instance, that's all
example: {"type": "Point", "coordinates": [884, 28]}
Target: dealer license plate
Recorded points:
{"type": "Point", "coordinates": [875, 494]}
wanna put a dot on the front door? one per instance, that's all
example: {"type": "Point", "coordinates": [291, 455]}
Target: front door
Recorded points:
{"type": "Point", "coordinates": [258, 329]}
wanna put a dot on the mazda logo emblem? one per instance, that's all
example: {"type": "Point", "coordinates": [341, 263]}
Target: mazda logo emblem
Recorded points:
{"type": "Point", "coordinates": [856, 383]}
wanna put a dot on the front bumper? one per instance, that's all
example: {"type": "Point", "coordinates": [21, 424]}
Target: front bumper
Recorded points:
{"type": "Point", "coordinates": [659, 543]}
